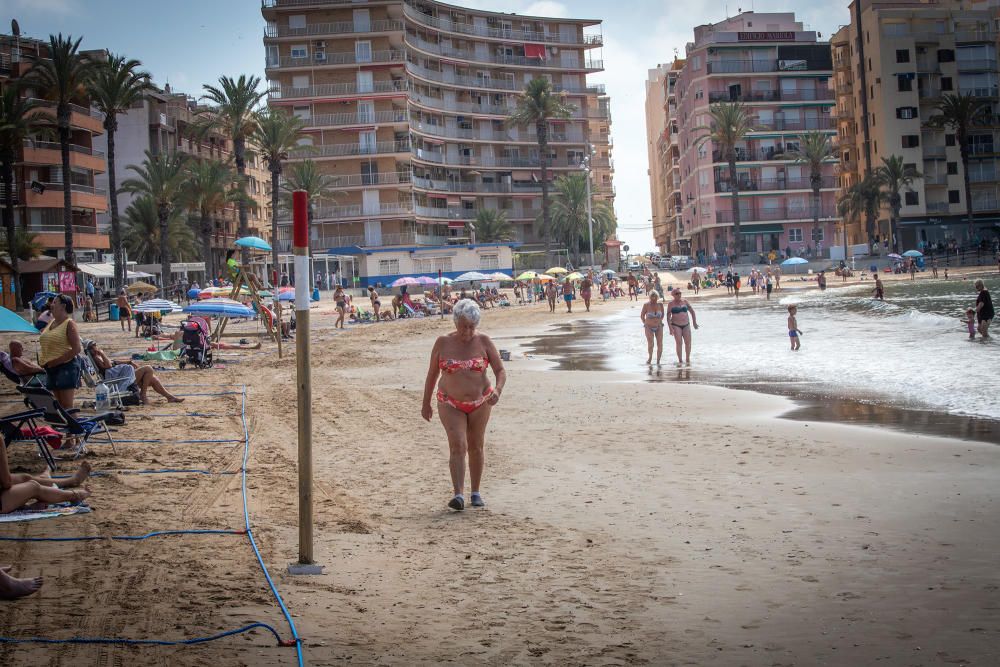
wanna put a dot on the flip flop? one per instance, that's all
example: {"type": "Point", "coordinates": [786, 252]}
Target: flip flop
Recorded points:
{"type": "Point", "coordinates": [456, 504]}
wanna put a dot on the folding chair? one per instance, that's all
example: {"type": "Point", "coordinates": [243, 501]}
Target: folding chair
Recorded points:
{"type": "Point", "coordinates": [12, 427]}
{"type": "Point", "coordinates": [30, 381]}
{"type": "Point", "coordinates": [68, 421]}
{"type": "Point", "coordinates": [117, 389]}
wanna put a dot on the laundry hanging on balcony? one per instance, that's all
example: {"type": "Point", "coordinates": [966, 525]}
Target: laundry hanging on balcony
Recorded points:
{"type": "Point", "coordinates": [535, 51]}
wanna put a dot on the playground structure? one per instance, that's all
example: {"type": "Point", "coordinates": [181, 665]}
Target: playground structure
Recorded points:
{"type": "Point", "coordinates": [244, 278]}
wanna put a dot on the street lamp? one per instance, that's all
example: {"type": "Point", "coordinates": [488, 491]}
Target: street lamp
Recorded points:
{"type": "Point", "coordinates": [585, 166]}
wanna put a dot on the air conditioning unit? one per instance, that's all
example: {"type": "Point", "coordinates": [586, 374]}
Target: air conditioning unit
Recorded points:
{"type": "Point", "coordinates": [320, 45]}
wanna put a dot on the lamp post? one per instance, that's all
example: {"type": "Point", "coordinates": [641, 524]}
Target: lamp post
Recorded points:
{"type": "Point", "coordinates": [585, 166]}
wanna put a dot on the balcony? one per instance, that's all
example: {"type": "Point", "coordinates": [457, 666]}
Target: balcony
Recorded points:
{"type": "Point", "coordinates": [476, 187]}
{"type": "Point", "coordinates": [980, 177]}
{"type": "Point", "coordinates": [369, 180]}
{"type": "Point", "coordinates": [351, 211]}
{"type": "Point", "coordinates": [490, 83]}
{"type": "Point", "coordinates": [981, 149]}
{"type": "Point", "coordinates": [497, 59]}
{"type": "Point", "coordinates": [803, 95]}
{"type": "Point", "coordinates": [934, 152]}
{"type": "Point", "coordinates": [349, 119]}
{"type": "Point", "coordinates": [323, 243]}
{"type": "Point", "coordinates": [779, 213]}
{"type": "Point", "coordinates": [486, 133]}
{"type": "Point", "coordinates": [82, 196]}
{"type": "Point", "coordinates": [767, 184]}
{"type": "Point", "coordinates": [49, 153]}
{"type": "Point", "coordinates": [351, 150]}
{"type": "Point", "coordinates": [755, 154]}
{"type": "Point", "coordinates": [985, 203]}
{"type": "Point", "coordinates": [799, 124]}
{"type": "Point", "coordinates": [929, 94]}
{"type": "Point", "coordinates": [739, 66]}
{"type": "Point", "coordinates": [79, 117]}
{"type": "Point", "coordinates": [84, 236]}
{"type": "Point", "coordinates": [322, 58]}
{"type": "Point", "coordinates": [506, 34]}
{"type": "Point", "coordinates": [336, 28]}
{"type": "Point", "coordinates": [337, 90]}
{"type": "Point", "coordinates": [937, 207]}
{"type": "Point", "coordinates": [462, 107]}
{"type": "Point", "coordinates": [977, 65]}
{"type": "Point", "coordinates": [975, 36]}
{"type": "Point", "coordinates": [935, 179]}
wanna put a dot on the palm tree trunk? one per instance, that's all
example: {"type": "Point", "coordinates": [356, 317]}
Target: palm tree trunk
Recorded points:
{"type": "Point", "coordinates": [239, 154]}
{"type": "Point", "coordinates": [734, 184]}
{"type": "Point", "coordinates": [7, 169]}
{"type": "Point", "coordinates": [163, 215]}
{"type": "Point", "coordinates": [275, 191]}
{"type": "Point", "coordinates": [110, 126]}
{"type": "Point", "coordinates": [963, 142]}
{"type": "Point", "coordinates": [542, 132]}
{"type": "Point", "coordinates": [62, 113]}
{"type": "Point", "coordinates": [816, 201]}
{"type": "Point", "coordinates": [205, 226]}
{"type": "Point", "coordinates": [894, 225]}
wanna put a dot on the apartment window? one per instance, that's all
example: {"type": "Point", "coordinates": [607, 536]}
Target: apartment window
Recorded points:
{"type": "Point", "coordinates": [297, 21]}
{"type": "Point", "coordinates": [911, 198]}
{"type": "Point", "coordinates": [489, 261]}
{"type": "Point", "coordinates": [302, 112]}
{"type": "Point", "coordinates": [949, 140]}
{"type": "Point", "coordinates": [299, 51]}
{"type": "Point", "coordinates": [952, 168]}
{"type": "Point", "coordinates": [363, 52]}
{"type": "Point", "coordinates": [946, 55]}
{"type": "Point", "coordinates": [795, 235]}
{"type": "Point", "coordinates": [953, 197]}
{"type": "Point", "coordinates": [946, 83]}
{"type": "Point", "coordinates": [911, 140]}
{"type": "Point", "coordinates": [817, 234]}
{"type": "Point", "coordinates": [388, 267]}
{"type": "Point", "coordinates": [902, 55]}
{"type": "Point", "coordinates": [906, 113]}
{"type": "Point", "coordinates": [904, 82]}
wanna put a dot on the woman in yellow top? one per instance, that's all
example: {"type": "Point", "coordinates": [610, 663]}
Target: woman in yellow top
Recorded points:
{"type": "Point", "coordinates": [60, 342]}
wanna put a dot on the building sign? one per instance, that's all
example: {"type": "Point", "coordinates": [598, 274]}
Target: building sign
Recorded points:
{"type": "Point", "coordinates": [67, 281]}
{"type": "Point", "coordinates": [765, 36]}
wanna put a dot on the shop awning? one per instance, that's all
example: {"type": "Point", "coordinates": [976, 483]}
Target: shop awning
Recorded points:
{"type": "Point", "coordinates": [761, 229]}
{"type": "Point", "coordinates": [98, 270]}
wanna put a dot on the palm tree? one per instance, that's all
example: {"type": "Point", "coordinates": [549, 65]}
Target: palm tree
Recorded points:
{"type": "Point", "coordinates": [19, 119]}
{"type": "Point", "coordinates": [537, 105]}
{"type": "Point", "coordinates": [114, 87]}
{"type": "Point", "coordinates": [142, 232]}
{"type": "Point", "coordinates": [160, 177]}
{"type": "Point", "coordinates": [276, 134]}
{"type": "Point", "coordinates": [492, 226]}
{"type": "Point", "coordinates": [26, 246]}
{"type": "Point", "coordinates": [863, 199]}
{"type": "Point", "coordinates": [235, 114]}
{"type": "Point", "coordinates": [306, 175]}
{"type": "Point", "coordinates": [730, 124]}
{"type": "Point", "coordinates": [63, 77]}
{"type": "Point", "coordinates": [207, 189]}
{"type": "Point", "coordinates": [569, 215]}
{"type": "Point", "coordinates": [814, 149]}
{"type": "Point", "coordinates": [961, 113]}
{"type": "Point", "coordinates": [895, 176]}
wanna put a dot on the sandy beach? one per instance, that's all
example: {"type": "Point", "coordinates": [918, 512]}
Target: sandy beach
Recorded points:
{"type": "Point", "coordinates": [628, 522]}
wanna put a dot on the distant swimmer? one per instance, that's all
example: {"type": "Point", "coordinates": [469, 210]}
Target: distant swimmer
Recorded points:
{"type": "Point", "coordinates": [793, 328]}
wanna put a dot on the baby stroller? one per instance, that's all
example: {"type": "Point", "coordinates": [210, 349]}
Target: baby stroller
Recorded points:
{"type": "Point", "coordinates": [196, 348]}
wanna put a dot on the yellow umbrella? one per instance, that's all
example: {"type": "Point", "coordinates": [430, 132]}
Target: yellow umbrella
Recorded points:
{"type": "Point", "coordinates": [575, 276]}
{"type": "Point", "coordinates": [557, 270]}
{"type": "Point", "coordinates": [528, 275]}
{"type": "Point", "coordinates": [141, 287]}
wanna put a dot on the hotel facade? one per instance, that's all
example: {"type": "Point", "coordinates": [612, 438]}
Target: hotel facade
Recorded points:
{"type": "Point", "coordinates": [404, 105]}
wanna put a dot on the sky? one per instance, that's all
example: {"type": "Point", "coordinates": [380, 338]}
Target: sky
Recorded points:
{"type": "Point", "coordinates": [187, 43]}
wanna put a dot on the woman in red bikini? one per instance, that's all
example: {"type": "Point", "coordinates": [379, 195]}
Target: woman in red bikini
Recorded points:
{"type": "Point", "coordinates": [464, 396]}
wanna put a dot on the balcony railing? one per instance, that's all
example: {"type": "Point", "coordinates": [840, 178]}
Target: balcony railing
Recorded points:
{"type": "Point", "coordinates": [788, 124]}
{"type": "Point", "coordinates": [522, 35]}
{"type": "Point", "coordinates": [803, 95]}
{"type": "Point", "coordinates": [464, 107]}
{"type": "Point", "coordinates": [339, 150]}
{"type": "Point", "coordinates": [476, 187]}
{"type": "Point", "coordinates": [737, 66]}
{"type": "Point", "coordinates": [773, 214]}
{"type": "Point", "coordinates": [980, 177]}
{"type": "Point", "coordinates": [754, 184]}
{"type": "Point", "coordinates": [490, 83]}
{"type": "Point", "coordinates": [284, 243]}
{"type": "Point", "coordinates": [935, 179]}
{"type": "Point", "coordinates": [934, 151]}
{"type": "Point", "coordinates": [755, 154]}
{"type": "Point", "coordinates": [364, 180]}
{"type": "Point", "coordinates": [85, 189]}
{"type": "Point", "coordinates": [348, 211]}
{"type": "Point", "coordinates": [320, 58]}
{"type": "Point", "coordinates": [501, 162]}
{"type": "Point", "coordinates": [978, 65]}
{"type": "Point", "coordinates": [336, 28]}
{"type": "Point", "coordinates": [75, 108]}
{"type": "Point", "coordinates": [337, 89]}
{"type": "Point", "coordinates": [512, 134]}
{"type": "Point", "coordinates": [54, 146]}
{"type": "Point", "coordinates": [989, 203]}
{"type": "Point", "coordinates": [335, 119]}
{"type": "Point", "coordinates": [498, 59]}
{"type": "Point", "coordinates": [981, 149]}
{"type": "Point", "coordinates": [975, 36]}
{"type": "Point", "coordinates": [937, 207]}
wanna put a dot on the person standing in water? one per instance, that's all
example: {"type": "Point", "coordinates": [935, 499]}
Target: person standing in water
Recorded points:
{"type": "Point", "coordinates": [696, 281]}
{"type": "Point", "coordinates": [879, 289]}
{"type": "Point", "coordinates": [586, 289]}
{"type": "Point", "coordinates": [550, 294]}
{"type": "Point", "coordinates": [793, 328]}
{"type": "Point", "coordinates": [984, 309]}
{"type": "Point", "coordinates": [651, 317]}
{"type": "Point", "coordinates": [680, 319]}
{"type": "Point", "coordinates": [569, 293]}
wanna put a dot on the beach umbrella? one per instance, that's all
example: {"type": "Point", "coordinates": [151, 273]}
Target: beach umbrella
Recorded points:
{"type": "Point", "coordinates": [471, 276]}
{"type": "Point", "coordinates": [286, 296]}
{"type": "Point", "coordinates": [254, 243]}
{"type": "Point", "coordinates": [500, 276]}
{"type": "Point", "coordinates": [427, 280]}
{"type": "Point", "coordinates": [11, 322]}
{"type": "Point", "coordinates": [399, 282]}
{"type": "Point", "coordinates": [447, 281]}
{"type": "Point", "coordinates": [528, 275]}
{"type": "Point", "coordinates": [893, 255]}
{"type": "Point", "coordinates": [576, 275]}
{"type": "Point", "coordinates": [157, 306]}
{"type": "Point", "coordinates": [913, 253]}
{"type": "Point", "coordinates": [699, 269]}
{"type": "Point", "coordinates": [194, 293]}
{"type": "Point", "coordinates": [40, 299]}
{"type": "Point", "coordinates": [792, 261]}
{"type": "Point", "coordinates": [140, 288]}
{"type": "Point", "coordinates": [609, 272]}
{"type": "Point", "coordinates": [221, 307]}
{"type": "Point", "coordinates": [542, 278]}
{"type": "Point", "coordinates": [556, 270]}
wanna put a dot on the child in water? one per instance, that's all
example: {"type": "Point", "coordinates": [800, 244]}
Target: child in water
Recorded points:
{"type": "Point", "coordinates": [970, 321]}
{"type": "Point", "coordinates": [793, 329]}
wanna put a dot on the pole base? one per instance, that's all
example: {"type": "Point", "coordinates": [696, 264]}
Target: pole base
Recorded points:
{"type": "Point", "coordinates": [304, 568]}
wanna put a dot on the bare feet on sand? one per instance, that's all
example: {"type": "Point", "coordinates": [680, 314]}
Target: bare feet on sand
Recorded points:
{"type": "Point", "coordinates": [12, 588]}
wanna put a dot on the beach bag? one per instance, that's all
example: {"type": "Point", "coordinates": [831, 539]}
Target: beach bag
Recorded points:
{"type": "Point", "coordinates": [115, 418]}
{"type": "Point", "coordinates": [51, 436]}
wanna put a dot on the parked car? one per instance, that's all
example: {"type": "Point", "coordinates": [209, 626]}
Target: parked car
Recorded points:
{"type": "Point", "coordinates": [634, 266]}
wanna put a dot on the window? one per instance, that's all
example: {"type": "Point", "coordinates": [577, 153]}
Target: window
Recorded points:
{"type": "Point", "coordinates": [363, 52]}
{"type": "Point", "coordinates": [795, 235]}
{"type": "Point", "coordinates": [949, 140]}
{"type": "Point", "coordinates": [299, 51]}
{"type": "Point", "coordinates": [911, 198]}
{"type": "Point", "coordinates": [953, 197]}
{"type": "Point", "coordinates": [817, 234]}
{"type": "Point", "coordinates": [906, 113]}
{"type": "Point", "coordinates": [904, 83]}
{"type": "Point", "coordinates": [302, 112]}
{"type": "Point", "coordinates": [946, 55]}
{"type": "Point", "coordinates": [489, 262]}
{"type": "Point", "coordinates": [911, 140]}
{"type": "Point", "coordinates": [952, 168]}
{"type": "Point", "coordinates": [388, 267]}
{"type": "Point", "coordinates": [432, 265]}
{"type": "Point", "coordinates": [946, 83]}
{"type": "Point", "coordinates": [902, 55]}
{"type": "Point", "coordinates": [297, 21]}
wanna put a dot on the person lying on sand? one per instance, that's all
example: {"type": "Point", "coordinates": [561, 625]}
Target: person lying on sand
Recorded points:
{"type": "Point", "coordinates": [17, 490]}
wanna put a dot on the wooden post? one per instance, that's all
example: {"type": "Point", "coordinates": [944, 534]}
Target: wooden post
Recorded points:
{"type": "Point", "coordinates": [441, 292]}
{"type": "Point", "coordinates": [300, 242]}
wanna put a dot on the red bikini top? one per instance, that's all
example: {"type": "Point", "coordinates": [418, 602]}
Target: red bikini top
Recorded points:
{"type": "Point", "coordinates": [477, 364]}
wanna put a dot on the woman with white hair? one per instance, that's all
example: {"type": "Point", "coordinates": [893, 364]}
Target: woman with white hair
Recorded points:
{"type": "Point", "coordinates": [465, 397]}
{"type": "Point", "coordinates": [652, 323]}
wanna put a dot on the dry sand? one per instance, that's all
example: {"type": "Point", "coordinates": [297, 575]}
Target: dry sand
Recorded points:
{"type": "Point", "coordinates": [627, 523]}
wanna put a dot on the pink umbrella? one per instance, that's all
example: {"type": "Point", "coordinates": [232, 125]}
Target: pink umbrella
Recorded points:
{"type": "Point", "coordinates": [399, 282]}
{"type": "Point", "coordinates": [427, 280]}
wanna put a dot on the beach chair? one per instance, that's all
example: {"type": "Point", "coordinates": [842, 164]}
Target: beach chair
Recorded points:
{"type": "Point", "coordinates": [30, 381]}
{"type": "Point", "coordinates": [69, 422]}
{"type": "Point", "coordinates": [23, 427]}
{"type": "Point", "coordinates": [117, 389]}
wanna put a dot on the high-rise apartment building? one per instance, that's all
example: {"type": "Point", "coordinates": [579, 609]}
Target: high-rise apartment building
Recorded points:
{"type": "Point", "coordinates": [662, 145]}
{"type": "Point", "coordinates": [893, 64]}
{"type": "Point", "coordinates": [405, 104]}
{"type": "Point", "coordinates": [781, 72]}
{"type": "Point", "coordinates": [39, 181]}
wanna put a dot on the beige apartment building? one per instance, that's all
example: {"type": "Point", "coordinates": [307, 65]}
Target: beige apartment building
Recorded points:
{"type": "Point", "coordinates": [892, 65]}
{"type": "Point", "coordinates": [405, 104]}
{"type": "Point", "coordinates": [662, 145]}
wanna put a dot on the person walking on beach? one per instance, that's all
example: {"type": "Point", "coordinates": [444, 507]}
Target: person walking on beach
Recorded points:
{"type": "Point", "coordinates": [736, 285]}
{"type": "Point", "coordinates": [376, 302]}
{"type": "Point", "coordinates": [913, 269]}
{"type": "Point", "coordinates": [61, 347]}
{"type": "Point", "coordinates": [696, 281]}
{"type": "Point", "coordinates": [633, 287]}
{"type": "Point", "coordinates": [769, 285]}
{"type": "Point", "coordinates": [934, 273]}
{"type": "Point", "coordinates": [793, 328]}
{"type": "Point", "coordinates": [651, 316]}
{"type": "Point", "coordinates": [879, 288]}
{"type": "Point", "coordinates": [586, 289]}
{"type": "Point", "coordinates": [124, 310]}
{"type": "Point", "coordinates": [569, 293]}
{"type": "Point", "coordinates": [465, 397]}
{"type": "Point", "coordinates": [984, 309]}
{"type": "Point", "coordinates": [550, 294]}
{"type": "Point", "coordinates": [340, 301]}
{"type": "Point", "coordinates": [680, 319]}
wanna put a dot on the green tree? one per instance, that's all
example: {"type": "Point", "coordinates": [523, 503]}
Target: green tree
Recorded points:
{"type": "Point", "coordinates": [207, 190]}
{"type": "Point", "coordinates": [62, 78]}
{"type": "Point", "coordinates": [814, 150]}
{"type": "Point", "coordinates": [864, 199]}
{"type": "Point", "coordinates": [235, 103]}
{"type": "Point", "coordinates": [160, 178]}
{"type": "Point", "coordinates": [492, 226]}
{"type": "Point", "coordinates": [318, 185]}
{"type": "Point", "coordinates": [537, 105]}
{"type": "Point", "coordinates": [115, 86]}
{"type": "Point", "coordinates": [569, 216]}
{"type": "Point", "coordinates": [19, 119]}
{"type": "Point", "coordinates": [143, 236]}
{"type": "Point", "coordinates": [962, 113]}
{"type": "Point", "coordinates": [26, 246]}
{"type": "Point", "coordinates": [895, 177]}
{"type": "Point", "coordinates": [276, 134]}
{"type": "Point", "coordinates": [731, 122]}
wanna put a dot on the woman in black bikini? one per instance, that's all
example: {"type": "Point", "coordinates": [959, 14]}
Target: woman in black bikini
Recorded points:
{"type": "Point", "coordinates": [680, 319]}
{"type": "Point", "coordinates": [652, 324]}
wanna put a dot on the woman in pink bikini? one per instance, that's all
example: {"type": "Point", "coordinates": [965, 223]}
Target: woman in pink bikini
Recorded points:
{"type": "Point", "coordinates": [464, 396]}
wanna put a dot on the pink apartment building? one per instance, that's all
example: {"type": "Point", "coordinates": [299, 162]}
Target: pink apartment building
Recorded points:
{"type": "Point", "coordinates": [782, 73]}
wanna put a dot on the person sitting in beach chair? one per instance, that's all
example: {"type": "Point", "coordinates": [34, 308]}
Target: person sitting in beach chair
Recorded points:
{"type": "Point", "coordinates": [121, 372]}
{"type": "Point", "coordinates": [74, 427]}
{"type": "Point", "coordinates": [19, 370]}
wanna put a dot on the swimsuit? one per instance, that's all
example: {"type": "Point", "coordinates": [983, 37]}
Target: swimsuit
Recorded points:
{"type": "Point", "coordinates": [679, 309]}
{"type": "Point", "coordinates": [468, 407]}
{"type": "Point", "coordinates": [477, 365]}
{"type": "Point", "coordinates": [792, 333]}
{"type": "Point", "coordinates": [654, 315]}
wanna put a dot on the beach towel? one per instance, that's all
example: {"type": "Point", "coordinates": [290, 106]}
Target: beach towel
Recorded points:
{"type": "Point", "coordinates": [50, 512]}
{"type": "Point", "coordinates": [162, 355]}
